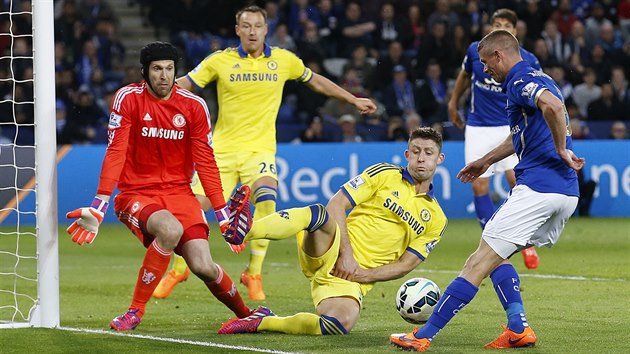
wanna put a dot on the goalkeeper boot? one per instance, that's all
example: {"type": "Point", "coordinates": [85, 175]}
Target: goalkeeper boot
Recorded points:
{"type": "Point", "coordinates": [408, 341]}
{"type": "Point", "coordinates": [127, 321]}
{"type": "Point", "coordinates": [240, 216]}
{"type": "Point", "coordinates": [511, 339]}
{"type": "Point", "coordinates": [167, 284]}
{"type": "Point", "coordinates": [254, 286]}
{"type": "Point", "coordinates": [248, 324]}
{"type": "Point", "coordinates": [530, 257]}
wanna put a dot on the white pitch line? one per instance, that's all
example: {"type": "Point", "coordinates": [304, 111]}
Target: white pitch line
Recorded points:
{"type": "Point", "coordinates": [175, 340]}
{"type": "Point", "coordinates": [540, 276]}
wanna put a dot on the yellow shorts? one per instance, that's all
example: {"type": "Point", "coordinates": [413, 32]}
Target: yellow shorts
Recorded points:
{"type": "Point", "coordinates": [323, 284]}
{"type": "Point", "coordinates": [243, 167]}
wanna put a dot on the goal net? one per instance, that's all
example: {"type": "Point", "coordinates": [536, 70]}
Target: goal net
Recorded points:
{"type": "Point", "coordinates": [29, 271]}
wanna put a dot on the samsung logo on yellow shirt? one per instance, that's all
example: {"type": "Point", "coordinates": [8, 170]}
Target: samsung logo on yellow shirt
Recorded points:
{"type": "Point", "coordinates": [404, 215]}
{"type": "Point", "coordinates": [253, 77]}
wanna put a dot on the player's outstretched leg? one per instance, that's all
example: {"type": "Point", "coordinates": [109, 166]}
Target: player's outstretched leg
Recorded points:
{"type": "Point", "coordinates": [179, 273]}
{"type": "Point", "coordinates": [408, 341]}
{"type": "Point", "coordinates": [511, 339]}
{"type": "Point", "coordinates": [240, 216]}
{"type": "Point", "coordinates": [248, 324]}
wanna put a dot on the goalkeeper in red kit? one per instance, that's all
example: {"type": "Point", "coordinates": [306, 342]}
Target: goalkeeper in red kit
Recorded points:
{"type": "Point", "coordinates": [158, 133]}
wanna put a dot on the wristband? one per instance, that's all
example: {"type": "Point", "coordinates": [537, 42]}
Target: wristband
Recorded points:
{"type": "Point", "coordinates": [222, 214]}
{"type": "Point", "coordinates": [99, 204]}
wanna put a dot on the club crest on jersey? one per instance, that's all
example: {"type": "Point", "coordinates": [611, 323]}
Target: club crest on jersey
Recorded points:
{"type": "Point", "coordinates": [356, 182]}
{"type": "Point", "coordinates": [425, 215]}
{"type": "Point", "coordinates": [529, 89]}
{"type": "Point", "coordinates": [272, 65]}
{"type": "Point", "coordinates": [179, 120]}
{"type": "Point", "coordinates": [135, 207]}
{"type": "Point", "coordinates": [114, 120]}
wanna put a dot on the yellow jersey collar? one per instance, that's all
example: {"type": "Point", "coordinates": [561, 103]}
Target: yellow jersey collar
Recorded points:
{"type": "Point", "coordinates": [406, 175]}
{"type": "Point", "coordinates": [243, 54]}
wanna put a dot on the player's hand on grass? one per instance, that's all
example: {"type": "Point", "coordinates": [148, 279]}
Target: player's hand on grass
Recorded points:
{"type": "Point", "coordinates": [90, 218]}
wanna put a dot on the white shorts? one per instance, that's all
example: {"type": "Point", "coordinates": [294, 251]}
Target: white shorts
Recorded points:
{"type": "Point", "coordinates": [479, 140]}
{"type": "Point", "coordinates": [528, 218]}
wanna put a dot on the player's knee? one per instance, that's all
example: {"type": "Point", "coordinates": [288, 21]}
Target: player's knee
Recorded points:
{"type": "Point", "coordinates": [204, 270]}
{"type": "Point", "coordinates": [330, 325]}
{"type": "Point", "coordinates": [319, 217]}
{"type": "Point", "coordinates": [170, 233]}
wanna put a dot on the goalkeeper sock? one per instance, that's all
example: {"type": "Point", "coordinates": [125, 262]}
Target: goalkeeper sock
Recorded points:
{"type": "Point", "coordinates": [179, 264]}
{"type": "Point", "coordinates": [300, 323]}
{"type": "Point", "coordinates": [265, 202]}
{"type": "Point", "coordinates": [153, 268]}
{"type": "Point", "coordinates": [507, 284]}
{"type": "Point", "coordinates": [457, 295]}
{"type": "Point", "coordinates": [484, 209]}
{"type": "Point", "coordinates": [224, 289]}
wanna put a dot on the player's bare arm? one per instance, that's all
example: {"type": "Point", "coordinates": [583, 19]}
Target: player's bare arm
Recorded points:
{"type": "Point", "coordinates": [184, 82]}
{"type": "Point", "coordinates": [554, 112]}
{"type": "Point", "coordinates": [478, 167]}
{"type": "Point", "coordinates": [324, 86]}
{"type": "Point", "coordinates": [461, 85]}
{"type": "Point", "coordinates": [405, 264]}
{"type": "Point", "coordinates": [346, 266]}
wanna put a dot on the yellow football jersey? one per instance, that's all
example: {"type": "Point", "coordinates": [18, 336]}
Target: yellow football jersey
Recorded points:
{"type": "Point", "coordinates": [389, 218]}
{"type": "Point", "coordinates": [249, 92]}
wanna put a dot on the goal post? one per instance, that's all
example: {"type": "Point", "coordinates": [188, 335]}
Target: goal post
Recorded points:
{"type": "Point", "coordinates": [29, 266]}
{"type": "Point", "coordinates": [46, 311]}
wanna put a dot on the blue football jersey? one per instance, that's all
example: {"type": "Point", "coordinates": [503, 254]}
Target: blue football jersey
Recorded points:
{"type": "Point", "coordinates": [487, 100]}
{"type": "Point", "coordinates": [539, 167]}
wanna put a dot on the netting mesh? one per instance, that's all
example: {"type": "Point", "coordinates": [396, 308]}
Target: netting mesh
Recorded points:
{"type": "Point", "coordinates": [18, 240]}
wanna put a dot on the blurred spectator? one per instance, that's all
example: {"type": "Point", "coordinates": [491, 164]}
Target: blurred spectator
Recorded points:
{"type": "Point", "coordinates": [310, 46]}
{"type": "Point", "coordinates": [308, 102]}
{"type": "Point", "coordinates": [472, 20]}
{"type": "Point", "coordinates": [620, 85]}
{"type": "Point", "coordinates": [577, 41]}
{"type": "Point", "coordinates": [60, 118]}
{"type": "Point", "coordinates": [557, 73]}
{"type": "Point", "coordinates": [606, 107]}
{"type": "Point", "coordinates": [396, 130]}
{"type": "Point", "coordinates": [413, 32]}
{"type": "Point", "coordinates": [386, 64]}
{"type": "Point", "coordinates": [388, 28]}
{"type": "Point", "coordinates": [412, 121]}
{"type": "Point", "coordinates": [609, 38]}
{"type": "Point", "coordinates": [534, 13]}
{"type": "Point", "coordinates": [432, 95]}
{"type": "Point", "coordinates": [564, 18]}
{"type": "Point", "coordinates": [85, 122]}
{"type": "Point", "coordinates": [440, 48]}
{"type": "Point", "coordinates": [541, 51]}
{"type": "Point", "coordinates": [314, 133]}
{"type": "Point", "coordinates": [460, 43]}
{"type": "Point", "coordinates": [579, 129]}
{"type": "Point", "coordinates": [87, 62]}
{"type": "Point", "coordinates": [355, 30]}
{"type": "Point", "coordinates": [348, 125]}
{"type": "Point", "coordinates": [618, 131]}
{"type": "Point", "coordinates": [521, 34]}
{"type": "Point", "coordinates": [400, 96]}
{"type": "Point", "coordinates": [594, 23]}
{"type": "Point", "coordinates": [443, 14]}
{"type": "Point", "coordinates": [301, 12]}
{"type": "Point", "coordinates": [623, 16]}
{"type": "Point", "coordinates": [274, 16]}
{"type": "Point", "coordinates": [363, 67]}
{"type": "Point", "coordinates": [281, 38]}
{"type": "Point", "coordinates": [92, 10]}
{"type": "Point", "coordinates": [586, 92]}
{"type": "Point", "coordinates": [329, 28]}
{"type": "Point", "coordinates": [558, 48]}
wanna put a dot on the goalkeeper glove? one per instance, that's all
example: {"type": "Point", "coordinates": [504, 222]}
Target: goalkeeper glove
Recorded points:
{"type": "Point", "coordinates": [86, 227]}
{"type": "Point", "coordinates": [223, 215]}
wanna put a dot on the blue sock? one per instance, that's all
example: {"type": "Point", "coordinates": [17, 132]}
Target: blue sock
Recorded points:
{"type": "Point", "coordinates": [507, 284]}
{"type": "Point", "coordinates": [457, 295]}
{"type": "Point", "coordinates": [484, 209]}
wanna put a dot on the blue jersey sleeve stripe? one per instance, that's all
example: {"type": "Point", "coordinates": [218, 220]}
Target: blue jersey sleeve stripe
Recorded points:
{"type": "Point", "coordinates": [343, 189]}
{"type": "Point", "coordinates": [409, 249]}
{"type": "Point", "coordinates": [193, 82]}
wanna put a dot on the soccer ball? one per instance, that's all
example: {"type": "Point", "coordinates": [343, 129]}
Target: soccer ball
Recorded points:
{"type": "Point", "coordinates": [416, 298]}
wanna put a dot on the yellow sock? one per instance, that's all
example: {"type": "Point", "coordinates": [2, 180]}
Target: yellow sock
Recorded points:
{"type": "Point", "coordinates": [258, 248]}
{"type": "Point", "coordinates": [300, 323]}
{"type": "Point", "coordinates": [281, 225]}
{"type": "Point", "coordinates": [179, 264]}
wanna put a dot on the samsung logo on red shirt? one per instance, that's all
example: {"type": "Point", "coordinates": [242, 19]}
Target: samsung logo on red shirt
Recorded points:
{"type": "Point", "coordinates": [171, 134]}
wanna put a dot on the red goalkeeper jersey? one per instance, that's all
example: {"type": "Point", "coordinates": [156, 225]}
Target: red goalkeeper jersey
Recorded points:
{"type": "Point", "coordinates": [154, 145]}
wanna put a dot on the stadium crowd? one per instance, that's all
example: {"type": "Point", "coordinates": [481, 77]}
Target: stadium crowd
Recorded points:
{"type": "Point", "coordinates": [404, 54]}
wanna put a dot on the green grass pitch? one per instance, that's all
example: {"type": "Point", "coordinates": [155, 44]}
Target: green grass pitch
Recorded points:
{"type": "Point", "coordinates": [577, 301]}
